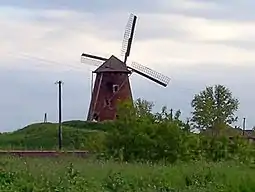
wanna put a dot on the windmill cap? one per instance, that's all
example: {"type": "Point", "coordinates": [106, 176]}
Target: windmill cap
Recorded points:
{"type": "Point", "coordinates": [113, 64]}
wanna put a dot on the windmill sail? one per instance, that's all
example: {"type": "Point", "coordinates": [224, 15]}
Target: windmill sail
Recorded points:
{"type": "Point", "coordinates": [135, 67]}
{"type": "Point", "coordinates": [126, 46]}
{"type": "Point", "coordinates": [128, 37]}
{"type": "Point", "coordinates": [92, 59]}
{"type": "Point", "coordinates": [149, 73]}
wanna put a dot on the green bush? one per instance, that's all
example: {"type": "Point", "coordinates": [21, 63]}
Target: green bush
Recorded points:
{"type": "Point", "coordinates": [137, 135]}
{"type": "Point", "coordinates": [140, 135]}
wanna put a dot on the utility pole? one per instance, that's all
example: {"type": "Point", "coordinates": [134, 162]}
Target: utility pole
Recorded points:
{"type": "Point", "coordinates": [244, 125]}
{"type": "Point", "coordinates": [218, 120]}
{"type": "Point", "coordinates": [218, 106]}
{"type": "Point", "coordinates": [45, 117]}
{"type": "Point", "coordinates": [59, 83]}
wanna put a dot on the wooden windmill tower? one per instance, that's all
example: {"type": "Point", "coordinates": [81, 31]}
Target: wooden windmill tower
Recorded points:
{"type": "Point", "coordinates": [112, 78]}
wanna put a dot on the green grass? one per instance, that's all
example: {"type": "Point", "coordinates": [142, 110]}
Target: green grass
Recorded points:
{"type": "Point", "coordinates": [70, 174]}
{"type": "Point", "coordinates": [100, 126]}
{"type": "Point", "coordinates": [45, 136]}
{"type": "Point", "coordinates": [79, 175]}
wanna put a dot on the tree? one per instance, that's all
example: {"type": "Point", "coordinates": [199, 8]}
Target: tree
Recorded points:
{"type": "Point", "coordinates": [143, 108]}
{"type": "Point", "coordinates": [131, 110]}
{"type": "Point", "coordinates": [138, 133]}
{"type": "Point", "coordinates": [214, 107]}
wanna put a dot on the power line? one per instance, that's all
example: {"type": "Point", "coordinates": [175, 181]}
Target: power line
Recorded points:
{"type": "Point", "coordinates": [26, 56]}
{"type": "Point", "coordinates": [59, 83]}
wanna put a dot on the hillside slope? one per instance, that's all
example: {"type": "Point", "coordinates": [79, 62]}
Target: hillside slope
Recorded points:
{"type": "Point", "coordinates": [45, 136]}
{"type": "Point", "coordinates": [103, 126]}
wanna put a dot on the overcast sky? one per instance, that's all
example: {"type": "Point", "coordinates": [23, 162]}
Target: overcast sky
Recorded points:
{"type": "Point", "coordinates": [197, 43]}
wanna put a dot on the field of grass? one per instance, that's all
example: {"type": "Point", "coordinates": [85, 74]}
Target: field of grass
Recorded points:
{"type": "Point", "coordinates": [70, 174]}
{"type": "Point", "coordinates": [79, 175]}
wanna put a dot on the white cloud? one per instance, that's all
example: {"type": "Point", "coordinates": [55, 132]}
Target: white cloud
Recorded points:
{"type": "Point", "coordinates": [189, 4]}
{"type": "Point", "coordinates": [199, 28]}
{"type": "Point", "coordinates": [178, 54]}
{"type": "Point", "coordinates": [62, 41]}
{"type": "Point", "coordinates": [62, 36]}
{"type": "Point", "coordinates": [183, 47]}
{"type": "Point", "coordinates": [180, 46]}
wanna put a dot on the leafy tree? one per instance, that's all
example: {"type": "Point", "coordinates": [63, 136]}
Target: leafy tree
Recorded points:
{"type": "Point", "coordinates": [138, 134]}
{"type": "Point", "coordinates": [143, 107]}
{"type": "Point", "coordinates": [214, 107]}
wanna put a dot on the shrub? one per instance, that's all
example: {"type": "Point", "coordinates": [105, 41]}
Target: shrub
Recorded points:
{"type": "Point", "coordinates": [164, 137]}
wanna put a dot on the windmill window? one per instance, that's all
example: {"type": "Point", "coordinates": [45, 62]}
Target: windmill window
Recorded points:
{"type": "Point", "coordinates": [115, 88]}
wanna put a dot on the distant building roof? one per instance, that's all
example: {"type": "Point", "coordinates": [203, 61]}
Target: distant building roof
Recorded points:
{"type": "Point", "coordinates": [231, 132]}
{"type": "Point", "coordinates": [113, 64]}
{"type": "Point", "coordinates": [249, 133]}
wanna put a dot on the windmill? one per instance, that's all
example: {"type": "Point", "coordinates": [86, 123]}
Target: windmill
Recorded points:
{"type": "Point", "coordinates": [112, 78]}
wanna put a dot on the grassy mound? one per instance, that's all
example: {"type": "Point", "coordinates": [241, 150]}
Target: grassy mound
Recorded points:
{"type": "Point", "coordinates": [102, 126]}
{"type": "Point", "coordinates": [45, 136]}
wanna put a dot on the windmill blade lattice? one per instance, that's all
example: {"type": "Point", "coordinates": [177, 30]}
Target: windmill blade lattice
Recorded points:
{"type": "Point", "coordinates": [92, 59]}
{"type": "Point", "coordinates": [127, 34]}
{"type": "Point", "coordinates": [150, 73]}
